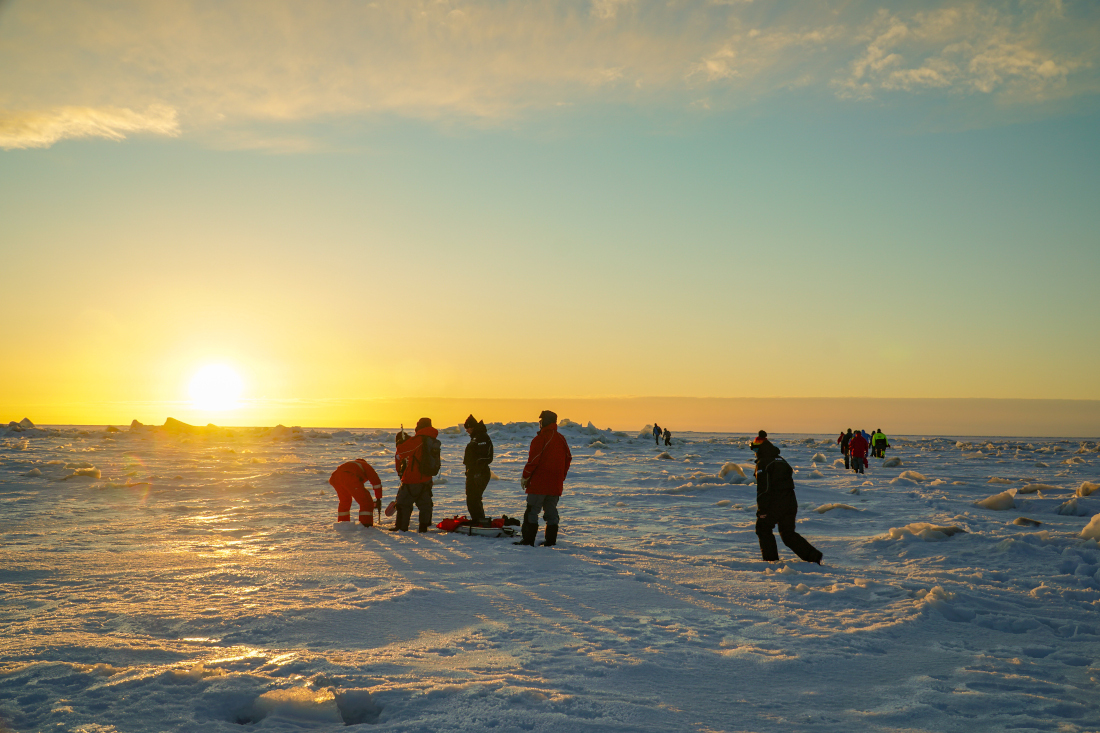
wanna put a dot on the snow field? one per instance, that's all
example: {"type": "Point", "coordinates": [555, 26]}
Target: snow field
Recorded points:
{"type": "Point", "coordinates": [189, 586]}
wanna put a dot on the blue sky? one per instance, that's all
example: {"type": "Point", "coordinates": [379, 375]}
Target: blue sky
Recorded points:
{"type": "Point", "coordinates": [572, 199]}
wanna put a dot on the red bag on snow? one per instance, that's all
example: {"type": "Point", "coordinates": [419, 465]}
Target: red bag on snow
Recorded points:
{"type": "Point", "coordinates": [450, 525]}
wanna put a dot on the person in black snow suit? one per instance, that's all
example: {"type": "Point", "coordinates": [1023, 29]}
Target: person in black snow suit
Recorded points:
{"type": "Point", "coordinates": [478, 456]}
{"type": "Point", "coordinates": [668, 436]}
{"type": "Point", "coordinates": [656, 434]}
{"type": "Point", "coordinates": [776, 504]}
{"type": "Point", "coordinates": [844, 440]}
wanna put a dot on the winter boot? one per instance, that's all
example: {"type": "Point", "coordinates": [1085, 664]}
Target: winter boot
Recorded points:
{"type": "Point", "coordinates": [425, 520]}
{"type": "Point", "coordinates": [551, 536]}
{"type": "Point", "coordinates": [402, 521]}
{"type": "Point", "coordinates": [528, 531]}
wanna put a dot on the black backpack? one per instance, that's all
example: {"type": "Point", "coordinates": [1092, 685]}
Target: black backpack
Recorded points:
{"type": "Point", "coordinates": [430, 461]}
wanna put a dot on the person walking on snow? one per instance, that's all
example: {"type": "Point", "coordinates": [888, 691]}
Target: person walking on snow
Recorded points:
{"type": "Point", "coordinates": [857, 446]}
{"type": "Point", "coordinates": [878, 443]}
{"type": "Point", "coordinates": [350, 480]}
{"type": "Point", "coordinates": [845, 441]}
{"type": "Point", "coordinates": [656, 434]}
{"type": "Point", "coordinates": [543, 480]}
{"type": "Point", "coordinates": [416, 487]}
{"type": "Point", "coordinates": [478, 456]}
{"type": "Point", "coordinates": [776, 504]}
{"type": "Point", "coordinates": [668, 437]}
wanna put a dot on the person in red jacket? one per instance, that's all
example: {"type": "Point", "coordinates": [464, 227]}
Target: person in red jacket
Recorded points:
{"type": "Point", "coordinates": [416, 488]}
{"type": "Point", "coordinates": [857, 447]}
{"type": "Point", "coordinates": [350, 480]}
{"type": "Point", "coordinates": [543, 480]}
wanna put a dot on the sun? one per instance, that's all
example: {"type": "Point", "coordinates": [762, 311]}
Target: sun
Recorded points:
{"type": "Point", "coordinates": [216, 387]}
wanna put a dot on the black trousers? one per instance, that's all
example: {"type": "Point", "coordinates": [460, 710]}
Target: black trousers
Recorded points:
{"type": "Point", "coordinates": [798, 544]}
{"type": "Point", "coordinates": [475, 487]}
{"type": "Point", "coordinates": [419, 494]}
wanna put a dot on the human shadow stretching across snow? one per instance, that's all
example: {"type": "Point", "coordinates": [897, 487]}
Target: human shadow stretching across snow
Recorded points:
{"type": "Point", "coordinates": [776, 503]}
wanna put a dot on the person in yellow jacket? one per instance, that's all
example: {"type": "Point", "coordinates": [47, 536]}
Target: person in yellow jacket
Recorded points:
{"type": "Point", "coordinates": [879, 444]}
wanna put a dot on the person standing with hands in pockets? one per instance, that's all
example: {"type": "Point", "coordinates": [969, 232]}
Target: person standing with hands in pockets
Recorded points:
{"type": "Point", "coordinates": [544, 479]}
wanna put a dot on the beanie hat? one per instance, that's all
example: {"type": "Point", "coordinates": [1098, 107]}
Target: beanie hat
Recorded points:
{"type": "Point", "coordinates": [424, 422]}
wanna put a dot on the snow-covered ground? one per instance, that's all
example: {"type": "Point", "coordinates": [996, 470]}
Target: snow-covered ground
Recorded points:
{"type": "Point", "coordinates": [160, 581]}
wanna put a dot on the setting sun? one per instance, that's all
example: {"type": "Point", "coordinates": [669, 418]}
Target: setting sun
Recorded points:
{"type": "Point", "coordinates": [216, 387]}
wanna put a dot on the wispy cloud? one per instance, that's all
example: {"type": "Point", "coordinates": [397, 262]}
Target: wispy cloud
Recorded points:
{"type": "Point", "coordinates": [42, 129]}
{"type": "Point", "coordinates": [226, 63]}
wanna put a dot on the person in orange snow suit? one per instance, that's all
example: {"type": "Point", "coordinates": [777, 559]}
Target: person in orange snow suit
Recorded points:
{"type": "Point", "coordinates": [350, 480]}
{"type": "Point", "coordinates": [776, 503]}
{"type": "Point", "coordinates": [858, 446]}
{"type": "Point", "coordinates": [544, 479]}
{"type": "Point", "coordinates": [416, 482]}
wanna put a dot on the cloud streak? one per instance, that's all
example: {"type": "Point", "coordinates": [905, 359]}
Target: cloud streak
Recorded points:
{"type": "Point", "coordinates": [43, 129]}
{"type": "Point", "coordinates": [240, 61]}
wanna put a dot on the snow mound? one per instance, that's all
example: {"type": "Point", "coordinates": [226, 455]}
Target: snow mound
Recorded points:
{"type": "Point", "coordinates": [299, 704]}
{"type": "Point", "coordinates": [453, 430]}
{"type": "Point", "coordinates": [892, 462]}
{"type": "Point", "coordinates": [815, 474]}
{"type": "Point", "coordinates": [647, 432]}
{"type": "Point", "coordinates": [829, 507]}
{"type": "Point", "coordinates": [925, 531]}
{"type": "Point", "coordinates": [1026, 522]}
{"type": "Point", "coordinates": [1072, 509]}
{"type": "Point", "coordinates": [26, 423]}
{"type": "Point", "coordinates": [730, 468]}
{"type": "Point", "coordinates": [33, 473]}
{"type": "Point", "coordinates": [288, 458]}
{"type": "Point", "coordinates": [1036, 488]}
{"type": "Point", "coordinates": [819, 458]}
{"type": "Point", "coordinates": [493, 476]}
{"type": "Point", "coordinates": [910, 476]}
{"type": "Point", "coordinates": [1092, 529]}
{"type": "Point", "coordinates": [838, 463]}
{"type": "Point", "coordinates": [999, 502]}
{"type": "Point", "coordinates": [724, 502]}
{"type": "Point", "coordinates": [999, 480]}
{"type": "Point", "coordinates": [665, 455]}
{"type": "Point", "coordinates": [1086, 488]}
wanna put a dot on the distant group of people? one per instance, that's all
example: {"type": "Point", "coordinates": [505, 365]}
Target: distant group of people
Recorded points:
{"type": "Point", "coordinates": [417, 461]}
{"type": "Point", "coordinates": [658, 433]}
{"type": "Point", "coordinates": [855, 446]}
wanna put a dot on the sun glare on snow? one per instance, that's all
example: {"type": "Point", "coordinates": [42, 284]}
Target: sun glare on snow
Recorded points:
{"type": "Point", "coordinates": [216, 387]}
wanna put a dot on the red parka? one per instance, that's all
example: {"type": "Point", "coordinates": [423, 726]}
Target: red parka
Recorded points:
{"type": "Point", "coordinates": [857, 446]}
{"type": "Point", "coordinates": [407, 457]}
{"type": "Point", "coordinates": [548, 462]}
{"type": "Point", "coordinates": [355, 475]}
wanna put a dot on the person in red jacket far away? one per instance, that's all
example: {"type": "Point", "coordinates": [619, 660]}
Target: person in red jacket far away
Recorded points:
{"type": "Point", "coordinates": [857, 446]}
{"type": "Point", "coordinates": [543, 480]}
{"type": "Point", "coordinates": [350, 480]}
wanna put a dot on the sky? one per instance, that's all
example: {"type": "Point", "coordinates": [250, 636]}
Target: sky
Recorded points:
{"type": "Point", "coordinates": [356, 203]}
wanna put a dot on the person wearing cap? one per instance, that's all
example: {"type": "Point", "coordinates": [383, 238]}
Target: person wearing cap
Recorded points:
{"type": "Point", "coordinates": [776, 504]}
{"type": "Point", "coordinates": [350, 480]}
{"type": "Point", "coordinates": [416, 488]}
{"type": "Point", "coordinates": [544, 479]}
{"type": "Point", "coordinates": [478, 456]}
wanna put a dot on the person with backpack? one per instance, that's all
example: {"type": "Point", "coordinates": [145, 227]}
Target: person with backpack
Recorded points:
{"type": "Point", "coordinates": [656, 434]}
{"type": "Point", "coordinates": [417, 460]}
{"type": "Point", "coordinates": [544, 479]}
{"type": "Point", "coordinates": [858, 446]}
{"type": "Point", "coordinates": [478, 456]}
{"type": "Point", "coordinates": [845, 441]}
{"type": "Point", "coordinates": [668, 436]}
{"type": "Point", "coordinates": [350, 480]}
{"type": "Point", "coordinates": [776, 504]}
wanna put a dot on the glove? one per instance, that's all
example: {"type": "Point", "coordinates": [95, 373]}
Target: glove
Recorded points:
{"type": "Point", "coordinates": [524, 481]}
